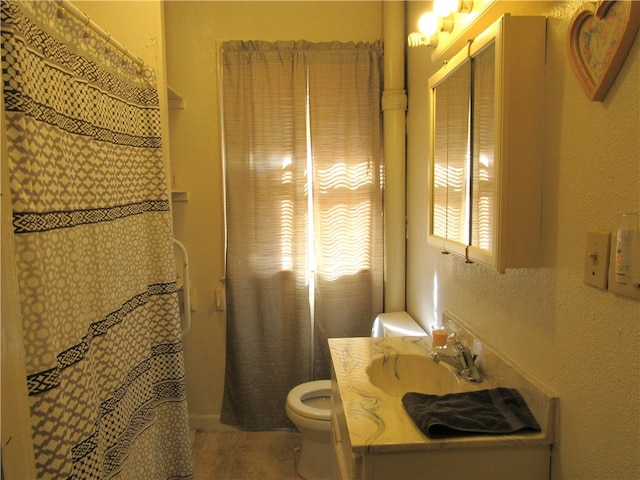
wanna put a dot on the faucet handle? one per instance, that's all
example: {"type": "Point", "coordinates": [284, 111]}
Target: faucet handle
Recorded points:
{"type": "Point", "coordinates": [457, 340]}
{"type": "Point", "coordinates": [452, 337]}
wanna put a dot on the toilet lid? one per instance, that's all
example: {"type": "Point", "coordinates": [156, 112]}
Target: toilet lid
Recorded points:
{"type": "Point", "coordinates": [304, 391]}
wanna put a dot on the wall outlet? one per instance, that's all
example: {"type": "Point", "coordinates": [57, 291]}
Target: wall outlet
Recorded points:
{"type": "Point", "coordinates": [626, 290]}
{"type": "Point", "coordinates": [596, 259]}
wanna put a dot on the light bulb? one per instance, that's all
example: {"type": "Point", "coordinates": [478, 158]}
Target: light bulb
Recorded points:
{"type": "Point", "coordinates": [416, 39]}
{"type": "Point", "coordinates": [428, 24]}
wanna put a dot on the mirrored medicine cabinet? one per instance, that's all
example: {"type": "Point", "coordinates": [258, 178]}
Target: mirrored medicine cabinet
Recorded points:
{"type": "Point", "coordinates": [486, 137]}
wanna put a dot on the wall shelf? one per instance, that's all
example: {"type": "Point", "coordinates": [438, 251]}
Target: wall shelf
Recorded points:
{"type": "Point", "coordinates": [179, 196]}
{"type": "Point", "coordinates": [175, 100]}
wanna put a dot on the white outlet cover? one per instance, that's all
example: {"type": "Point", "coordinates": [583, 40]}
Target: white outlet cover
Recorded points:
{"type": "Point", "coordinates": [596, 259]}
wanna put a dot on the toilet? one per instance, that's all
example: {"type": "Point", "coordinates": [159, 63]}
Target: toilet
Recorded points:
{"type": "Point", "coordinates": [308, 407]}
{"type": "Point", "coordinates": [309, 404]}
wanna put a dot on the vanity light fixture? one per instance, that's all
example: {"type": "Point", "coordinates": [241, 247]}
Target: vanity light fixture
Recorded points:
{"type": "Point", "coordinates": [441, 20]}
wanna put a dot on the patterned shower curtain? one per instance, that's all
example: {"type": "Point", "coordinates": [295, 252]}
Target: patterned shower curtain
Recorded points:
{"type": "Point", "coordinates": [94, 254]}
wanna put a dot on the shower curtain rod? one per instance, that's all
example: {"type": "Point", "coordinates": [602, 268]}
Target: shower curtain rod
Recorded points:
{"type": "Point", "coordinates": [80, 15]}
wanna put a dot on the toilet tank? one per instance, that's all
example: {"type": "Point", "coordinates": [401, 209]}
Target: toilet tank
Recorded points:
{"type": "Point", "coordinates": [396, 324]}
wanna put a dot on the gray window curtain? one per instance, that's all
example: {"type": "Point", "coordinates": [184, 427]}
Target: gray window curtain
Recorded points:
{"type": "Point", "coordinates": [304, 182]}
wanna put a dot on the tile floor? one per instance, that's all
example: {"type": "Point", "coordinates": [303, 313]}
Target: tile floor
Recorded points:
{"type": "Point", "coordinates": [236, 455]}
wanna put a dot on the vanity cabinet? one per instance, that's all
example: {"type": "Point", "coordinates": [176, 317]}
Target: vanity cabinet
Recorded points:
{"type": "Point", "coordinates": [373, 438]}
{"type": "Point", "coordinates": [410, 462]}
{"type": "Point", "coordinates": [486, 137]}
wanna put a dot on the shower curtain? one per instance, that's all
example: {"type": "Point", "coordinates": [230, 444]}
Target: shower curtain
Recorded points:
{"type": "Point", "coordinates": [94, 253]}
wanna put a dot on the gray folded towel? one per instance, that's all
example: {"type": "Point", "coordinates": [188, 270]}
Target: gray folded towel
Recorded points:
{"type": "Point", "coordinates": [492, 411]}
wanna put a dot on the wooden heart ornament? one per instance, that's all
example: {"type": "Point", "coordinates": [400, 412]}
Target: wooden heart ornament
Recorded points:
{"type": "Point", "coordinates": [598, 42]}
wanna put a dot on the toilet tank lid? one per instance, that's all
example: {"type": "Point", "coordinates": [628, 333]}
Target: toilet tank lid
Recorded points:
{"type": "Point", "coordinates": [396, 324]}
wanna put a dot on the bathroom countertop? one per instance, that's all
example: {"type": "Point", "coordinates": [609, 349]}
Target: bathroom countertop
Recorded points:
{"type": "Point", "coordinates": [378, 422]}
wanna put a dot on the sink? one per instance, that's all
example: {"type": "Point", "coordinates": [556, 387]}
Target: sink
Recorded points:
{"type": "Point", "coordinates": [397, 374]}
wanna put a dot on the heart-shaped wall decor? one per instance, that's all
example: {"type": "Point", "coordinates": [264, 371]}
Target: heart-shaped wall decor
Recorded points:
{"type": "Point", "coordinates": [598, 42]}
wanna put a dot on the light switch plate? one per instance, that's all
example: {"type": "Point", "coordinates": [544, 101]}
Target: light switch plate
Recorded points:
{"type": "Point", "coordinates": [626, 290]}
{"type": "Point", "coordinates": [596, 259]}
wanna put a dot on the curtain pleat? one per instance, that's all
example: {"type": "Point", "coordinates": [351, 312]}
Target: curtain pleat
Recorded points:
{"type": "Point", "coordinates": [298, 273]}
{"type": "Point", "coordinates": [94, 253]}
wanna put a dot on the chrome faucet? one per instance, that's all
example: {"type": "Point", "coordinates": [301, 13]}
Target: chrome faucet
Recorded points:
{"type": "Point", "coordinates": [462, 360]}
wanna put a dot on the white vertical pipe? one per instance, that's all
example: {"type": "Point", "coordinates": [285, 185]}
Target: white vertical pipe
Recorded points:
{"type": "Point", "coordinates": [394, 106]}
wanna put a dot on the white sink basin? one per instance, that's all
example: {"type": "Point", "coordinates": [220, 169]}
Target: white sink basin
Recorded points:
{"type": "Point", "coordinates": [400, 373]}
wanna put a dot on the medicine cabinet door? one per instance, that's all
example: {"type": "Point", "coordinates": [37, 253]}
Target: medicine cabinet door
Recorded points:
{"type": "Point", "coordinates": [450, 166]}
{"type": "Point", "coordinates": [483, 164]}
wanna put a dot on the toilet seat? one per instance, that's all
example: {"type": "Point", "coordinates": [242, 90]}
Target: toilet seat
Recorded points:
{"type": "Point", "coordinates": [304, 391]}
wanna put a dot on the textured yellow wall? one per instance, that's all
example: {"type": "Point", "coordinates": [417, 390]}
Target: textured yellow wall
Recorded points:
{"type": "Point", "coordinates": [547, 320]}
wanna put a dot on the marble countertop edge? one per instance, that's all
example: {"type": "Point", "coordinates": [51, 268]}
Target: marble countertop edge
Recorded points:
{"type": "Point", "coordinates": [377, 421]}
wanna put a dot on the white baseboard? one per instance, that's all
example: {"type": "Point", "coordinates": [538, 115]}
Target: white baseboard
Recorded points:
{"type": "Point", "coordinates": [207, 423]}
